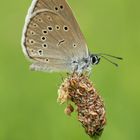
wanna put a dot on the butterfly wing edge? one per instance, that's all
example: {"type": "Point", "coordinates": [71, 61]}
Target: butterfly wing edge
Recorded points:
{"type": "Point", "coordinates": [27, 20]}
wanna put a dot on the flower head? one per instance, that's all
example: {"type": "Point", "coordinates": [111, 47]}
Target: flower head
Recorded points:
{"type": "Point", "coordinates": [90, 107]}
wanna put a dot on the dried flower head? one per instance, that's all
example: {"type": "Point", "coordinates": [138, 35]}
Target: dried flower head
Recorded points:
{"type": "Point", "coordinates": [90, 107]}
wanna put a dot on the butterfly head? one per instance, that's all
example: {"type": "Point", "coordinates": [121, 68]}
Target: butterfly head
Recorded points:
{"type": "Point", "coordinates": [95, 59]}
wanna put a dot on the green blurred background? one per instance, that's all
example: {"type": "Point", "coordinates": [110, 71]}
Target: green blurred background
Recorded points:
{"type": "Point", "coordinates": [28, 107]}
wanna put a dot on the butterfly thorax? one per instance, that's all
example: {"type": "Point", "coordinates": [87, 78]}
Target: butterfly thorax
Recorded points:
{"type": "Point", "coordinates": [81, 65]}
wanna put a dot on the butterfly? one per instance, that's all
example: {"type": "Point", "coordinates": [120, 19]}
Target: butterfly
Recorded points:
{"type": "Point", "coordinates": [53, 41]}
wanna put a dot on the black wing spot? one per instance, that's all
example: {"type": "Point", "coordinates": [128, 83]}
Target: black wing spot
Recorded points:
{"type": "Point", "coordinates": [32, 33]}
{"type": "Point", "coordinates": [74, 62]}
{"type": "Point", "coordinates": [40, 20]}
{"type": "Point", "coordinates": [61, 42]}
{"type": "Point", "coordinates": [33, 52]}
{"type": "Point", "coordinates": [50, 28]}
{"type": "Point", "coordinates": [43, 38]}
{"type": "Point", "coordinates": [74, 45]}
{"type": "Point", "coordinates": [44, 32]}
{"type": "Point", "coordinates": [31, 41]}
{"type": "Point", "coordinates": [56, 8]}
{"type": "Point", "coordinates": [47, 60]}
{"type": "Point", "coordinates": [49, 18]}
{"type": "Point", "coordinates": [44, 45]}
{"type": "Point", "coordinates": [65, 28]}
{"type": "Point", "coordinates": [57, 27]}
{"type": "Point", "coordinates": [40, 52]}
{"type": "Point", "coordinates": [61, 7]}
{"type": "Point", "coordinates": [35, 25]}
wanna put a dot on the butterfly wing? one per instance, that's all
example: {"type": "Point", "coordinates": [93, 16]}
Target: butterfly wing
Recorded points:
{"type": "Point", "coordinates": [51, 42]}
{"type": "Point", "coordinates": [61, 7]}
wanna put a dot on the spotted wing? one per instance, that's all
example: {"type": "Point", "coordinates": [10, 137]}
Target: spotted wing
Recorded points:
{"type": "Point", "coordinates": [51, 42]}
{"type": "Point", "coordinates": [61, 7]}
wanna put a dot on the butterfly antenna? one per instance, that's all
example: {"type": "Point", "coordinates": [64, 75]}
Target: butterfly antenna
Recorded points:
{"type": "Point", "coordinates": [101, 54]}
{"type": "Point", "coordinates": [115, 64]}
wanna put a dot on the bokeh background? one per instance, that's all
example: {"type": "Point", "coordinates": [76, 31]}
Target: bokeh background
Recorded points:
{"type": "Point", "coordinates": [28, 107]}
